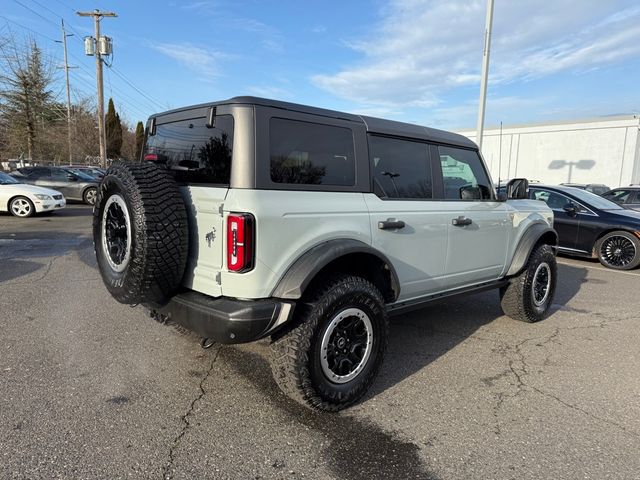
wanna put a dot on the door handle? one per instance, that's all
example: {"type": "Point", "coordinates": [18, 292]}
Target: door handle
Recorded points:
{"type": "Point", "coordinates": [389, 224]}
{"type": "Point", "coordinates": [461, 221]}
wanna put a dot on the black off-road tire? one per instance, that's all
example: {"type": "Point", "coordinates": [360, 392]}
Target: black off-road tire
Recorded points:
{"type": "Point", "coordinates": [157, 229]}
{"type": "Point", "coordinates": [524, 298]}
{"type": "Point", "coordinates": [619, 250]}
{"type": "Point", "coordinates": [296, 356]}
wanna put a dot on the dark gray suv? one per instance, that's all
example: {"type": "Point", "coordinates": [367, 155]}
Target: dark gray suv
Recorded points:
{"type": "Point", "coordinates": [74, 185]}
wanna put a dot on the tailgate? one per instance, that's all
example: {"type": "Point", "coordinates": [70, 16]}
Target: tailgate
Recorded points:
{"type": "Point", "coordinates": [206, 238]}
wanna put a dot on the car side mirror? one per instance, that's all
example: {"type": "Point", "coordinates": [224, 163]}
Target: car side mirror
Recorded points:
{"type": "Point", "coordinates": [571, 209]}
{"type": "Point", "coordinates": [71, 177]}
{"type": "Point", "coordinates": [470, 193]}
{"type": "Point", "coordinates": [518, 189]}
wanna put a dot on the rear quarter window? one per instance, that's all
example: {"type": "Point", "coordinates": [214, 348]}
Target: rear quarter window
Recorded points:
{"type": "Point", "coordinates": [311, 153]}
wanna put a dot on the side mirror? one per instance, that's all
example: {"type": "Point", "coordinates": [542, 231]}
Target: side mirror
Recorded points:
{"type": "Point", "coordinates": [518, 189]}
{"type": "Point", "coordinates": [571, 209]}
{"type": "Point", "coordinates": [71, 177]}
{"type": "Point", "coordinates": [470, 193]}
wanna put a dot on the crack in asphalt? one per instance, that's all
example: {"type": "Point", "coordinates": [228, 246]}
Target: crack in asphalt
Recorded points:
{"type": "Point", "coordinates": [167, 472]}
{"type": "Point", "coordinates": [519, 369]}
{"type": "Point", "coordinates": [44, 275]}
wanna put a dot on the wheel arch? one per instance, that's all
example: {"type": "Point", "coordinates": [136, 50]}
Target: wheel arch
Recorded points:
{"type": "Point", "coordinates": [537, 234]}
{"type": "Point", "coordinates": [18, 195]}
{"type": "Point", "coordinates": [341, 255]}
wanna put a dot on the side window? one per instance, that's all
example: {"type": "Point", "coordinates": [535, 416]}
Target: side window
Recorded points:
{"type": "Point", "coordinates": [37, 173]}
{"type": "Point", "coordinates": [311, 153]}
{"type": "Point", "coordinates": [463, 175]}
{"type": "Point", "coordinates": [59, 175]}
{"type": "Point", "coordinates": [193, 152]}
{"type": "Point", "coordinates": [400, 168]}
{"type": "Point", "coordinates": [554, 201]}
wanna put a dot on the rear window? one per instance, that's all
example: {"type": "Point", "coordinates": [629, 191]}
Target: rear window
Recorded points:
{"type": "Point", "coordinates": [193, 152]}
{"type": "Point", "coordinates": [311, 153]}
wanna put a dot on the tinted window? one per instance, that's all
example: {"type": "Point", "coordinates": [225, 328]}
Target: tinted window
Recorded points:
{"type": "Point", "coordinates": [311, 153]}
{"type": "Point", "coordinates": [60, 175]}
{"type": "Point", "coordinates": [463, 174]}
{"type": "Point", "coordinates": [191, 151]}
{"type": "Point", "coordinates": [400, 168]}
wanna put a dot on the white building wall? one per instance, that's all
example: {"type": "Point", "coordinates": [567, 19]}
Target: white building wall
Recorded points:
{"type": "Point", "coordinates": [595, 151]}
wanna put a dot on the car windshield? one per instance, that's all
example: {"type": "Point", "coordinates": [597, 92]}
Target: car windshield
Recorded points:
{"type": "Point", "coordinates": [594, 200]}
{"type": "Point", "coordinates": [7, 179]}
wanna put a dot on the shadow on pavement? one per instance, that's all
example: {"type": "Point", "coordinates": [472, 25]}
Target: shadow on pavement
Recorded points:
{"type": "Point", "coordinates": [355, 449]}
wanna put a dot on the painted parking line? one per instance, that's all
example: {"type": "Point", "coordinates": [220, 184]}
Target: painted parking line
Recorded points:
{"type": "Point", "coordinates": [610, 270]}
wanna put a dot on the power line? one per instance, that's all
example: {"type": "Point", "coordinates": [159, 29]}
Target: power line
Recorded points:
{"type": "Point", "coordinates": [135, 88]}
{"type": "Point", "coordinates": [36, 13]}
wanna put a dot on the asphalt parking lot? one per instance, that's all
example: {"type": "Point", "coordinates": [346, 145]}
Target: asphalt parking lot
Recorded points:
{"type": "Point", "coordinates": [90, 388]}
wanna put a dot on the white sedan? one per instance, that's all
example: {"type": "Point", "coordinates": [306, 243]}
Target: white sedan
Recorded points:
{"type": "Point", "coordinates": [24, 200]}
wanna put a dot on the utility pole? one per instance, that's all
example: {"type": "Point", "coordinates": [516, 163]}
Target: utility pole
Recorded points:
{"type": "Point", "coordinates": [99, 46]}
{"type": "Point", "coordinates": [485, 73]}
{"type": "Point", "coordinates": [66, 71]}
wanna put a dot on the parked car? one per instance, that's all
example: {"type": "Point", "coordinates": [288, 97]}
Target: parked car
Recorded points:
{"type": "Point", "coordinates": [24, 200]}
{"type": "Point", "coordinates": [74, 185]}
{"type": "Point", "coordinates": [626, 197]}
{"type": "Point", "coordinates": [597, 188]}
{"type": "Point", "coordinates": [592, 226]}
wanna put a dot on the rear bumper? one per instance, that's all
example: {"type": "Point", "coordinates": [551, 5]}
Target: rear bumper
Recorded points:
{"type": "Point", "coordinates": [227, 320]}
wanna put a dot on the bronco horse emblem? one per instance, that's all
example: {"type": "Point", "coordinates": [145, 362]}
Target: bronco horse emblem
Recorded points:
{"type": "Point", "coordinates": [210, 237]}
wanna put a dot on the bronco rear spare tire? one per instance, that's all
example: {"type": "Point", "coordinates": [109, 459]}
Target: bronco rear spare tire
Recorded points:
{"type": "Point", "coordinates": [140, 233]}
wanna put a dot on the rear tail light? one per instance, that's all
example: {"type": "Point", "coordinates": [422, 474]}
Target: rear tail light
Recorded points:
{"type": "Point", "coordinates": [240, 242]}
{"type": "Point", "coordinates": [152, 157]}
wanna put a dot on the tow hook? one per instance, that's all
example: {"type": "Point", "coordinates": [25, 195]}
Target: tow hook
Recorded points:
{"type": "Point", "coordinates": [207, 342]}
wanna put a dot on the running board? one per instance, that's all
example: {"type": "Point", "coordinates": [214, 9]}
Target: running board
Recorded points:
{"type": "Point", "coordinates": [404, 307]}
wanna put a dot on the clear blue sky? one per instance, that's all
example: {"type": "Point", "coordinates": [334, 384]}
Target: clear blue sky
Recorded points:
{"type": "Point", "coordinates": [411, 60]}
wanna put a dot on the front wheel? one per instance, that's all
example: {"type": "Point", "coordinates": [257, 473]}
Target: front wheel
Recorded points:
{"type": "Point", "coordinates": [330, 358]}
{"type": "Point", "coordinates": [21, 207]}
{"type": "Point", "coordinates": [619, 250]}
{"type": "Point", "coordinates": [89, 196]}
{"type": "Point", "coordinates": [528, 296]}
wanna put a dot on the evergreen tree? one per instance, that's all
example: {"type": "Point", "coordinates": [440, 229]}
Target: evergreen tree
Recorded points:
{"type": "Point", "coordinates": [113, 128]}
{"type": "Point", "coordinates": [139, 140]}
{"type": "Point", "coordinates": [26, 102]}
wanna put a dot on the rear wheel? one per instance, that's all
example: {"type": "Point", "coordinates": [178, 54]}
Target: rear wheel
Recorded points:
{"type": "Point", "coordinates": [21, 207]}
{"type": "Point", "coordinates": [619, 250]}
{"type": "Point", "coordinates": [528, 296]}
{"type": "Point", "coordinates": [330, 358]}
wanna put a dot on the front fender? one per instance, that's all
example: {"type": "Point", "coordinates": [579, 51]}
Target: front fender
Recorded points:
{"type": "Point", "coordinates": [529, 240]}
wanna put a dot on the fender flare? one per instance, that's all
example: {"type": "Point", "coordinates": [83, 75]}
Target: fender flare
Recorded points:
{"type": "Point", "coordinates": [529, 240]}
{"type": "Point", "coordinates": [297, 278]}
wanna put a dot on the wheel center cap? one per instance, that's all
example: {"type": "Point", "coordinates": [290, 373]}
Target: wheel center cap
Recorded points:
{"type": "Point", "coordinates": [341, 342]}
{"type": "Point", "coordinates": [617, 251]}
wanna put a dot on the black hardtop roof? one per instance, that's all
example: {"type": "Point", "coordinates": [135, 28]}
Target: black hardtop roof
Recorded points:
{"type": "Point", "coordinates": [372, 124]}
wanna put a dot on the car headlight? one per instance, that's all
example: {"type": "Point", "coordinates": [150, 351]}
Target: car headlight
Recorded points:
{"type": "Point", "coordinates": [40, 196]}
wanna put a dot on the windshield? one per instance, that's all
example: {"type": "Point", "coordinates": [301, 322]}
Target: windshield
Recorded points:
{"type": "Point", "coordinates": [594, 200]}
{"type": "Point", "coordinates": [7, 179]}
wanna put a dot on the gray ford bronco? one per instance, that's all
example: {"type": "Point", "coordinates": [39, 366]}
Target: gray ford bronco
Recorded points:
{"type": "Point", "coordinates": [253, 218]}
